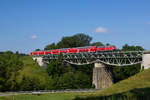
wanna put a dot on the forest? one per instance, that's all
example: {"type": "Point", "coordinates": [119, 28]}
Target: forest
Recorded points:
{"type": "Point", "coordinates": [18, 72]}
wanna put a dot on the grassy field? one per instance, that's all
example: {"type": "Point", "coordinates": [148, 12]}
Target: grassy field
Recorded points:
{"type": "Point", "coordinates": [31, 68]}
{"type": "Point", "coordinates": [54, 96]}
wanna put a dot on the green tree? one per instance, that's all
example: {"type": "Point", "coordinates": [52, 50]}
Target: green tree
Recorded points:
{"type": "Point", "coordinates": [77, 40]}
{"type": "Point", "coordinates": [123, 72]}
{"type": "Point", "coordinates": [82, 39]}
{"type": "Point", "coordinates": [51, 46]}
{"type": "Point", "coordinates": [10, 64]}
{"type": "Point", "coordinates": [53, 68]}
{"type": "Point", "coordinates": [126, 47]}
{"type": "Point", "coordinates": [3, 71]}
{"type": "Point", "coordinates": [74, 80]}
{"type": "Point", "coordinates": [97, 44]}
{"type": "Point", "coordinates": [107, 44]}
{"type": "Point", "coordinates": [37, 50]}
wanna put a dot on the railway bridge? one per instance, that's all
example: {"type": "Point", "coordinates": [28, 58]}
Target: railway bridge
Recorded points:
{"type": "Point", "coordinates": [102, 73]}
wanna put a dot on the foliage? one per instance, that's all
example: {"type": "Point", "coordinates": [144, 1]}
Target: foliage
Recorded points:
{"type": "Point", "coordinates": [107, 44]}
{"type": "Point", "coordinates": [67, 76]}
{"type": "Point", "coordinates": [126, 47]}
{"type": "Point", "coordinates": [51, 46]}
{"type": "Point", "coordinates": [19, 72]}
{"type": "Point", "coordinates": [37, 49]}
{"type": "Point", "coordinates": [123, 72]}
{"type": "Point", "coordinates": [32, 76]}
{"type": "Point", "coordinates": [53, 68]}
{"type": "Point", "coordinates": [10, 64]}
{"type": "Point", "coordinates": [97, 44]}
{"type": "Point", "coordinates": [77, 40]}
{"type": "Point", "coordinates": [75, 80]}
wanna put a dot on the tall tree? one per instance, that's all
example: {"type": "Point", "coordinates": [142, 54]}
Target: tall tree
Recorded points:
{"type": "Point", "coordinates": [97, 44]}
{"type": "Point", "coordinates": [37, 49]}
{"type": "Point", "coordinates": [51, 46]}
{"type": "Point", "coordinates": [126, 47]}
{"type": "Point", "coordinates": [77, 40]}
{"type": "Point", "coordinates": [82, 39]}
{"type": "Point", "coordinates": [10, 64]}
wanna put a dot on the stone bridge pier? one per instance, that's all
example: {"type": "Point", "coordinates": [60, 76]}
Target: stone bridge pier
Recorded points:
{"type": "Point", "coordinates": [40, 61]}
{"type": "Point", "coordinates": [145, 60]}
{"type": "Point", "coordinates": [102, 76]}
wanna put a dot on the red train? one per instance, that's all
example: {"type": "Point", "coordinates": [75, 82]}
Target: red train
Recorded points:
{"type": "Point", "coordinates": [75, 50]}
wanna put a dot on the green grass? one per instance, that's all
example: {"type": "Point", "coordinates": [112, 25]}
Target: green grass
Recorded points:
{"type": "Point", "coordinates": [27, 60]}
{"type": "Point", "coordinates": [54, 96]}
{"type": "Point", "coordinates": [31, 69]}
{"type": "Point", "coordinates": [135, 86]}
{"type": "Point", "coordinates": [140, 80]}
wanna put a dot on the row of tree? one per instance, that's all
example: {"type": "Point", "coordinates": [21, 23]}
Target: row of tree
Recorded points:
{"type": "Point", "coordinates": [10, 65]}
{"type": "Point", "coordinates": [77, 40]}
{"type": "Point", "coordinates": [18, 72]}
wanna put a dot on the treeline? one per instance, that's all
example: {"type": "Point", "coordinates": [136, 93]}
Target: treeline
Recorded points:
{"type": "Point", "coordinates": [18, 72]}
{"type": "Point", "coordinates": [10, 64]}
{"type": "Point", "coordinates": [66, 76]}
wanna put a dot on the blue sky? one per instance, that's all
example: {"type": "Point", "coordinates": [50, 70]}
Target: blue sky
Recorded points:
{"type": "Point", "coordinates": [26, 25]}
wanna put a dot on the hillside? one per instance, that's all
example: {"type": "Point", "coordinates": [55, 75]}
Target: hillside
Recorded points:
{"type": "Point", "coordinates": [140, 80]}
{"type": "Point", "coordinates": [138, 84]}
{"type": "Point", "coordinates": [33, 76]}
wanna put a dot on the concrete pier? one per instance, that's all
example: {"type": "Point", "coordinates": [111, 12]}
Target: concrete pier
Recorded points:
{"type": "Point", "coordinates": [145, 60]}
{"type": "Point", "coordinates": [40, 61]}
{"type": "Point", "coordinates": [102, 76]}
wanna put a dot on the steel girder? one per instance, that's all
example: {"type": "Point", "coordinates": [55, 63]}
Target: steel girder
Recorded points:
{"type": "Point", "coordinates": [116, 58]}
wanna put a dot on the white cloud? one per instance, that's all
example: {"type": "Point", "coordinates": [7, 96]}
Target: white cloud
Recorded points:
{"type": "Point", "coordinates": [33, 37]}
{"type": "Point", "coordinates": [101, 30]}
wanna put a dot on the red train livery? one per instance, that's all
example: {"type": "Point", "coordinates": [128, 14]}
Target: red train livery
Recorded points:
{"type": "Point", "coordinates": [75, 50]}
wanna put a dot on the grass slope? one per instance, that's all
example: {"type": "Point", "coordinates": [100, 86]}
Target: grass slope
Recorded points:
{"type": "Point", "coordinates": [136, 85]}
{"type": "Point", "coordinates": [32, 69]}
{"type": "Point", "coordinates": [140, 80]}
